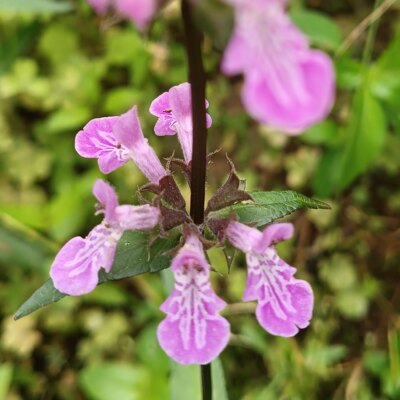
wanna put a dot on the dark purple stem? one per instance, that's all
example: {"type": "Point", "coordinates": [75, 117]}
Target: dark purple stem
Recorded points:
{"type": "Point", "coordinates": [197, 79]}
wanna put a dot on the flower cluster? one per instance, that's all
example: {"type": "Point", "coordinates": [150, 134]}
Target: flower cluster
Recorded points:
{"type": "Point", "coordinates": [193, 331]}
{"type": "Point", "coordinates": [286, 84]}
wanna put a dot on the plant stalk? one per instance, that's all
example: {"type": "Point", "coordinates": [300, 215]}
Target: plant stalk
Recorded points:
{"type": "Point", "coordinates": [197, 79]}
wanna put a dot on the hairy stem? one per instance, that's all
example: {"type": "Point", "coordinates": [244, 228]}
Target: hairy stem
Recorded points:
{"type": "Point", "coordinates": [197, 80]}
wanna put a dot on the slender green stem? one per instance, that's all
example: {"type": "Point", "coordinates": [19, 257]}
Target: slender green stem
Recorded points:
{"type": "Point", "coordinates": [197, 79]}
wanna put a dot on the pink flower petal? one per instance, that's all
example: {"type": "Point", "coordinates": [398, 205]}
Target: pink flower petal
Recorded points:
{"type": "Point", "coordinates": [140, 12]}
{"type": "Point", "coordinates": [242, 236]}
{"type": "Point", "coordinates": [193, 332]}
{"type": "Point", "coordinates": [137, 217]}
{"type": "Point", "coordinates": [273, 234]}
{"type": "Point", "coordinates": [100, 5]}
{"type": "Point", "coordinates": [96, 140]}
{"type": "Point", "coordinates": [286, 84]}
{"type": "Point", "coordinates": [161, 108]}
{"type": "Point", "coordinates": [284, 303]}
{"type": "Point", "coordinates": [174, 110]}
{"type": "Point", "coordinates": [128, 131]}
{"type": "Point", "coordinates": [107, 197]}
{"type": "Point", "coordinates": [297, 115]}
{"type": "Point", "coordinates": [190, 347]}
{"type": "Point", "coordinates": [181, 104]}
{"type": "Point", "coordinates": [76, 266]}
{"type": "Point", "coordinates": [294, 312]}
{"type": "Point", "coordinates": [235, 55]}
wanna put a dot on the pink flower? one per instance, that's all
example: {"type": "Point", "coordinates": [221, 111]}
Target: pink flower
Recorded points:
{"type": "Point", "coordinates": [286, 84]}
{"type": "Point", "coordinates": [128, 132]}
{"type": "Point", "coordinates": [193, 332]}
{"type": "Point", "coordinates": [174, 110]}
{"type": "Point", "coordinates": [76, 266]}
{"type": "Point", "coordinates": [97, 140]}
{"type": "Point", "coordinates": [140, 12]}
{"type": "Point", "coordinates": [284, 303]}
{"type": "Point", "coordinates": [114, 140]}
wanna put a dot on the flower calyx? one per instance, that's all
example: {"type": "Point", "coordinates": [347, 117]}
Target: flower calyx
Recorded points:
{"type": "Point", "coordinates": [231, 192]}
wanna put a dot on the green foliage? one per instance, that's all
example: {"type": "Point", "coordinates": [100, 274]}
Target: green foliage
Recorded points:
{"type": "Point", "coordinates": [35, 6]}
{"type": "Point", "coordinates": [270, 206]}
{"type": "Point", "coordinates": [322, 30]}
{"type": "Point", "coordinates": [119, 380]}
{"type": "Point", "coordinates": [365, 137]}
{"type": "Point", "coordinates": [5, 379]}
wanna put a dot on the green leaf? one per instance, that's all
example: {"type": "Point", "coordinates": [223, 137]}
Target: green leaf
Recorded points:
{"type": "Point", "coordinates": [185, 382]}
{"type": "Point", "coordinates": [21, 245]}
{"type": "Point", "coordinates": [321, 29]}
{"type": "Point", "coordinates": [34, 6]}
{"type": "Point", "coordinates": [325, 132]}
{"type": "Point", "coordinates": [113, 380]}
{"type": "Point", "coordinates": [6, 370]}
{"type": "Point", "coordinates": [390, 57]}
{"type": "Point", "coordinates": [131, 258]}
{"type": "Point", "coordinates": [350, 73]}
{"type": "Point", "coordinates": [269, 206]}
{"type": "Point", "coordinates": [365, 137]}
{"type": "Point", "coordinates": [218, 379]}
{"type": "Point", "coordinates": [13, 44]}
{"type": "Point", "coordinates": [328, 172]}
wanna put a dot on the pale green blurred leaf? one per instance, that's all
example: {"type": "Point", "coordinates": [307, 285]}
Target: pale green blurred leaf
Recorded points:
{"type": "Point", "coordinates": [35, 6]}
{"type": "Point", "coordinates": [319, 356]}
{"type": "Point", "coordinates": [352, 303]}
{"type": "Point", "coordinates": [327, 173]}
{"type": "Point", "coordinates": [112, 380]}
{"type": "Point", "coordinates": [150, 352]}
{"type": "Point", "coordinates": [119, 100]}
{"type": "Point", "coordinates": [349, 73]}
{"type": "Point", "coordinates": [58, 43]}
{"type": "Point", "coordinates": [23, 246]}
{"type": "Point", "coordinates": [366, 135]}
{"type": "Point", "coordinates": [322, 30]}
{"type": "Point", "coordinates": [185, 382]}
{"type": "Point", "coordinates": [325, 132]}
{"type": "Point", "coordinates": [6, 370]}
{"type": "Point", "coordinates": [71, 118]}
{"type": "Point", "coordinates": [218, 381]}
{"type": "Point", "coordinates": [339, 272]}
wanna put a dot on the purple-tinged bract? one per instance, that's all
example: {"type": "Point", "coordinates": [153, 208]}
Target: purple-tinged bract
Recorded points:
{"type": "Point", "coordinates": [193, 332]}
{"type": "Point", "coordinates": [284, 303]}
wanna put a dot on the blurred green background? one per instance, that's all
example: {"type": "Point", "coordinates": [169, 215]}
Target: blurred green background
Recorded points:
{"type": "Point", "coordinates": [60, 66]}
